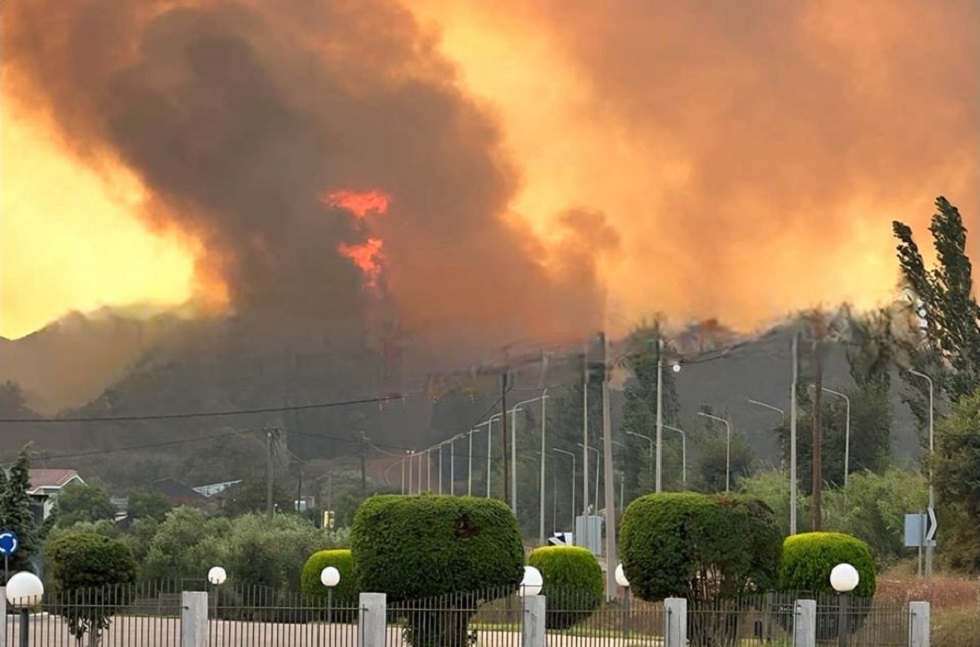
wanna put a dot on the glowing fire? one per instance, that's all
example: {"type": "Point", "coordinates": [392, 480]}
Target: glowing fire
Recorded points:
{"type": "Point", "coordinates": [367, 258]}
{"type": "Point", "coordinates": [358, 203]}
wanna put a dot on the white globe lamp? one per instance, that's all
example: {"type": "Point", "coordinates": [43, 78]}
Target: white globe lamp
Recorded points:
{"type": "Point", "coordinates": [844, 578]}
{"type": "Point", "coordinates": [532, 582]}
{"type": "Point", "coordinates": [330, 577]}
{"type": "Point", "coordinates": [24, 590]}
{"type": "Point", "coordinates": [217, 576]}
{"type": "Point", "coordinates": [676, 367]}
{"type": "Point", "coordinates": [621, 577]}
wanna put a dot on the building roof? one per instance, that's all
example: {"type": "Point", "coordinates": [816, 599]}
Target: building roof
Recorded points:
{"type": "Point", "coordinates": [51, 478]}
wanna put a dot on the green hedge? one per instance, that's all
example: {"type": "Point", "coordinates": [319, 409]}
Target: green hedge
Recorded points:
{"type": "Point", "coordinates": [416, 547]}
{"type": "Point", "coordinates": [668, 539]}
{"type": "Point", "coordinates": [346, 593]}
{"type": "Point", "coordinates": [809, 557]}
{"type": "Point", "coordinates": [805, 568]}
{"type": "Point", "coordinates": [573, 583]}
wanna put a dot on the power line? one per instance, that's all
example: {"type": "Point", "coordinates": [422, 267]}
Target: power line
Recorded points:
{"type": "Point", "coordinates": [171, 443]}
{"type": "Point", "coordinates": [204, 414]}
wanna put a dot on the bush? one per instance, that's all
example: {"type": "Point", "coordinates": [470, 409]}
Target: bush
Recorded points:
{"type": "Point", "coordinates": [92, 573]}
{"type": "Point", "coordinates": [573, 583]}
{"type": "Point", "coordinates": [346, 593]}
{"type": "Point", "coordinates": [805, 568]}
{"type": "Point", "coordinates": [413, 547]}
{"type": "Point", "coordinates": [669, 541]}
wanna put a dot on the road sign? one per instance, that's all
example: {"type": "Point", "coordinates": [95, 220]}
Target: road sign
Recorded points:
{"type": "Point", "coordinates": [931, 525]}
{"type": "Point", "coordinates": [916, 529]}
{"type": "Point", "coordinates": [8, 543]}
{"type": "Point", "coordinates": [561, 539]}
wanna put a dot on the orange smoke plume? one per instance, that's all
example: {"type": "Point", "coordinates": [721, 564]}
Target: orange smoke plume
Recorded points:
{"type": "Point", "coordinates": [367, 258]}
{"type": "Point", "coordinates": [358, 203]}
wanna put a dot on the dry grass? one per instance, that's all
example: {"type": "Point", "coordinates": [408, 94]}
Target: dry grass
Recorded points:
{"type": "Point", "coordinates": [942, 591]}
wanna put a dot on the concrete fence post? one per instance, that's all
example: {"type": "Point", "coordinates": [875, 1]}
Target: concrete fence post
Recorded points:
{"type": "Point", "coordinates": [3, 616]}
{"type": "Point", "coordinates": [533, 631]}
{"type": "Point", "coordinates": [372, 624]}
{"type": "Point", "coordinates": [675, 622]}
{"type": "Point", "coordinates": [805, 623]}
{"type": "Point", "coordinates": [193, 619]}
{"type": "Point", "coordinates": [918, 624]}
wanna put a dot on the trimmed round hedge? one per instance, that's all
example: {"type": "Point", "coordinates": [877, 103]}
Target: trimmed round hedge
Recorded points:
{"type": "Point", "coordinates": [346, 593]}
{"type": "Point", "coordinates": [805, 568]}
{"type": "Point", "coordinates": [413, 547]}
{"type": "Point", "coordinates": [809, 557]}
{"type": "Point", "coordinates": [573, 583]}
{"type": "Point", "coordinates": [668, 539]}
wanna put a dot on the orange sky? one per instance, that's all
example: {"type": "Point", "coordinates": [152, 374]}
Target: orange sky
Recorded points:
{"type": "Point", "coordinates": [578, 124]}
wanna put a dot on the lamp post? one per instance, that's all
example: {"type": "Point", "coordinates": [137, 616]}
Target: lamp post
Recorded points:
{"type": "Point", "coordinates": [595, 506]}
{"type": "Point", "coordinates": [728, 448]}
{"type": "Point", "coordinates": [544, 421]}
{"type": "Point", "coordinates": [847, 432]}
{"type": "Point", "coordinates": [513, 449]}
{"type": "Point", "coordinates": [932, 491]}
{"type": "Point", "coordinates": [489, 423]}
{"type": "Point", "coordinates": [792, 457]}
{"type": "Point", "coordinates": [660, 409]}
{"type": "Point", "coordinates": [24, 590]}
{"type": "Point", "coordinates": [844, 578]}
{"type": "Point", "coordinates": [625, 583]}
{"type": "Point", "coordinates": [452, 463]}
{"type": "Point", "coordinates": [562, 451]}
{"type": "Point", "coordinates": [217, 577]}
{"type": "Point", "coordinates": [469, 463]}
{"type": "Point", "coordinates": [330, 577]}
{"type": "Point", "coordinates": [649, 440]}
{"type": "Point", "coordinates": [683, 452]}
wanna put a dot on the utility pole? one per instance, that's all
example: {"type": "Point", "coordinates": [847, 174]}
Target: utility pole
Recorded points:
{"type": "Point", "coordinates": [793, 483]}
{"type": "Point", "coordinates": [585, 445]}
{"type": "Point", "coordinates": [364, 442]}
{"type": "Point", "coordinates": [660, 412]}
{"type": "Point", "coordinates": [609, 484]}
{"type": "Point", "coordinates": [816, 515]}
{"type": "Point", "coordinates": [503, 421]}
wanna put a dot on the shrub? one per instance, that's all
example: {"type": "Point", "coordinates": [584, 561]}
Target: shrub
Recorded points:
{"type": "Point", "coordinates": [92, 573]}
{"type": "Point", "coordinates": [671, 542]}
{"type": "Point", "coordinates": [805, 567]}
{"type": "Point", "coordinates": [573, 583]}
{"type": "Point", "coordinates": [346, 593]}
{"type": "Point", "coordinates": [413, 547]}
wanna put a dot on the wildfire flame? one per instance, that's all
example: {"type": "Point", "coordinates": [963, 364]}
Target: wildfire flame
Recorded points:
{"type": "Point", "coordinates": [358, 203]}
{"type": "Point", "coordinates": [367, 256]}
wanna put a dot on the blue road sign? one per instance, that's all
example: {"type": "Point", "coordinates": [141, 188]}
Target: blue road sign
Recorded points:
{"type": "Point", "coordinates": [8, 543]}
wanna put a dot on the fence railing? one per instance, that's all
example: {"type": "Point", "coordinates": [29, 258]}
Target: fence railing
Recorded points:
{"type": "Point", "coordinates": [165, 614]}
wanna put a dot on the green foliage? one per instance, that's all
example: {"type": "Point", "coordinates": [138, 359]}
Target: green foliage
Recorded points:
{"type": "Point", "coordinates": [77, 502]}
{"type": "Point", "coordinates": [148, 505]}
{"type": "Point", "coordinates": [772, 488]}
{"type": "Point", "coordinates": [16, 513]}
{"type": "Point", "coordinates": [251, 497]}
{"type": "Point", "coordinates": [947, 305]}
{"type": "Point", "coordinates": [270, 552]}
{"type": "Point", "coordinates": [413, 547]}
{"type": "Point", "coordinates": [92, 572]}
{"type": "Point", "coordinates": [347, 591]}
{"type": "Point", "coordinates": [573, 583]}
{"type": "Point", "coordinates": [873, 509]}
{"type": "Point", "coordinates": [186, 545]}
{"type": "Point", "coordinates": [957, 464]}
{"type": "Point", "coordinates": [698, 546]}
{"type": "Point", "coordinates": [809, 557]}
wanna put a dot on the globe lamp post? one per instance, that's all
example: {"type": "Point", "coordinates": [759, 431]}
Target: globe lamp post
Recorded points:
{"type": "Point", "coordinates": [330, 577]}
{"type": "Point", "coordinates": [217, 577]}
{"type": "Point", "coordinates": [844, 578]}
{"type": "Point", "coordinates": [532, 582]}
{"type": "Point", "coordinates": [24, 590]}
{"type": "Point", "coordinates": [625, 583]}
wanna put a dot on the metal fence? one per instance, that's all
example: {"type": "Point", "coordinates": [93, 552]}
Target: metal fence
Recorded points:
{"type": "Point", "coordinates": [149, 615]}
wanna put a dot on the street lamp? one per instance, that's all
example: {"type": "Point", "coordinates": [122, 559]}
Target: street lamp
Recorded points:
{"type": "Point", "coordinates": [217, 577]}
{"type": "Point", "coordinates": [792, 450]}
{"type": "Point", "coordinates": [646, 438]}
{"type": "Point", "coordinates": [932, 491]}
{"type": "Point", "coordinates": [728, 448]}
{"type": "Point", "coordinates": [625, 583]}
{"type": "Point", "coordinates": [330, 577]}
{"type": "Point", "coordinates": [844, 578]}
{"type": "Point", "coordinates": [676, 367]}
{"type": "Point", "coordinates": [683, 452]}
{"type": "Point", "coordinates": [562, 451]}
{"type": "Point", "coordinates": [513, 449]}
{"type": "Point", "coordinates": [598, 455]}
{"type": "Point", "coordinates": [24, 590]}
{"type": "Point", "coordinates": [452, 463]}
{"type": "Point", "coordinates": [532, 582]}
{"type": "Point", "coordinates": [847, 432]}
{"type": "Point", "coordinates": [489, 423]}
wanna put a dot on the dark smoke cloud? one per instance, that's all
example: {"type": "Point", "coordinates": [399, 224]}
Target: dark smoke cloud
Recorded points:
{"type": "Point", "coordinates": [237, 116]}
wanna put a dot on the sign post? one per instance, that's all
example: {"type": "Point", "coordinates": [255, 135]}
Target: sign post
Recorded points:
{"type": "Point", "coordinates": [920, 532]}
{"type": "Point", "coordinates": [8, 546]}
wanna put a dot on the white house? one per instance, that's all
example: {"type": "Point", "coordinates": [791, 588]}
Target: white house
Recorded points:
{"type": "Point", "coordinates": [45, 487]}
